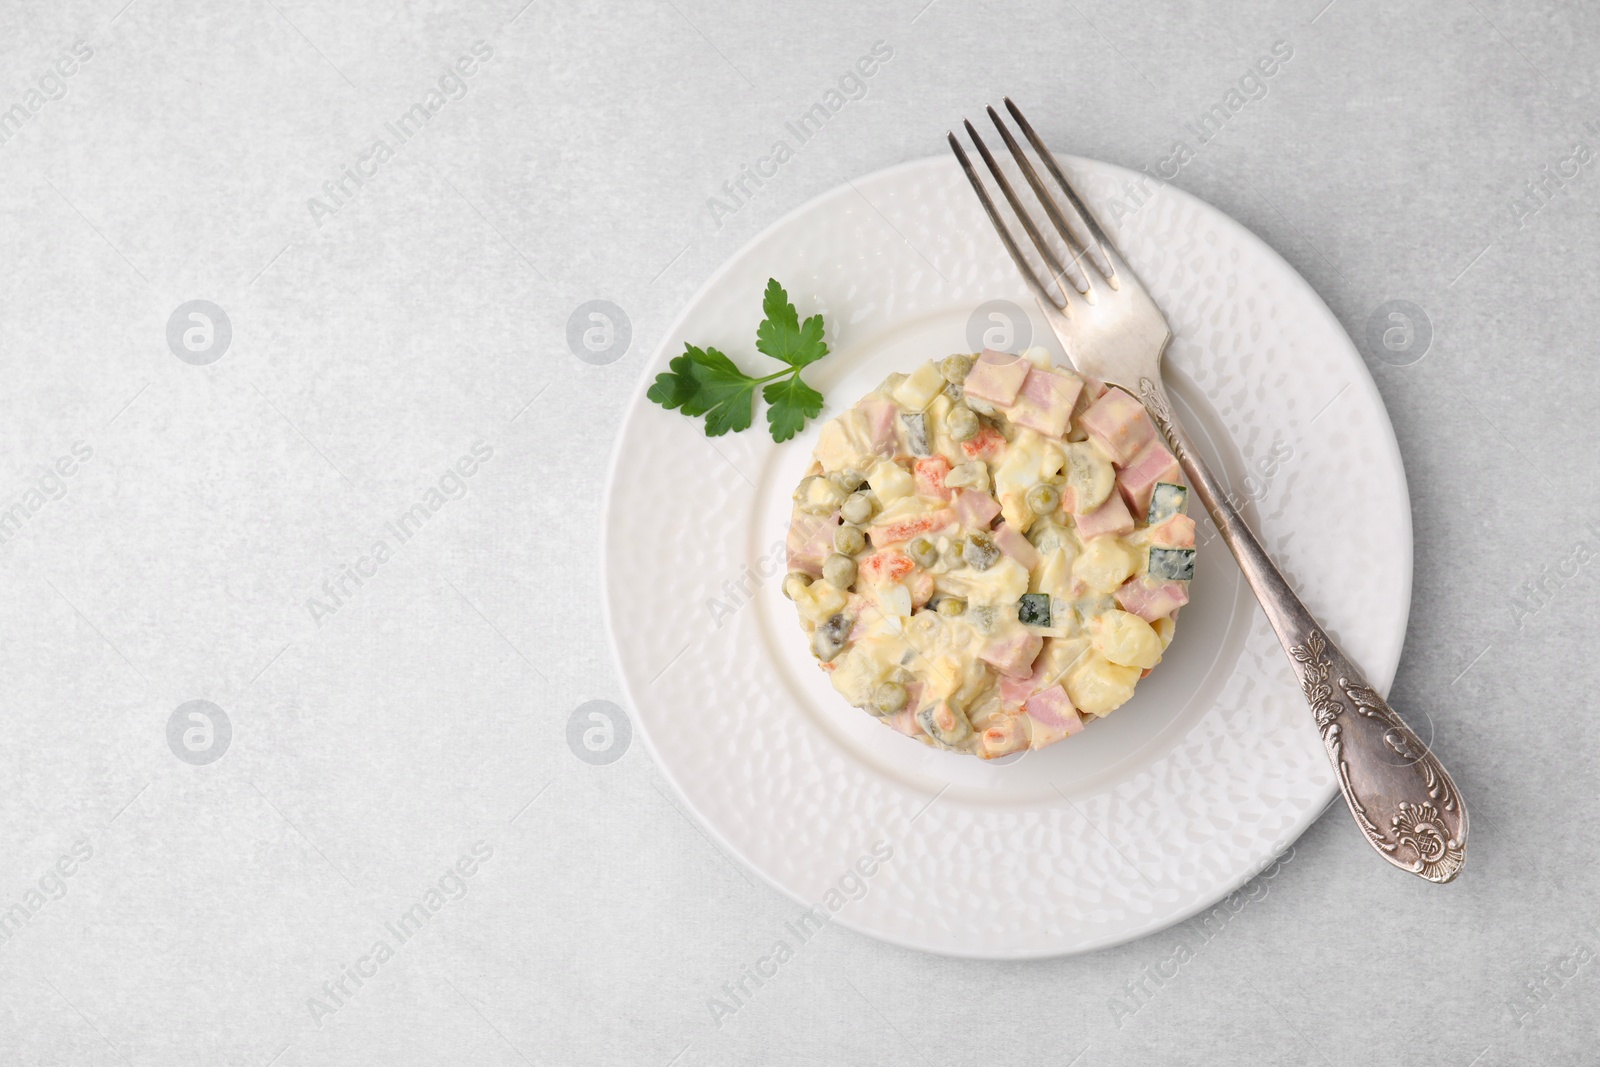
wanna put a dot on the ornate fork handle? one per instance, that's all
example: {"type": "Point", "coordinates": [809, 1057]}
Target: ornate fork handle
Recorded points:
{"type": "Point", "coordinates": [1399, 793]}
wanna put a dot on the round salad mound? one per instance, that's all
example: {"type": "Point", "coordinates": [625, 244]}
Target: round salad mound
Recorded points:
{"type": "Point", "coordinates": [990, 551]}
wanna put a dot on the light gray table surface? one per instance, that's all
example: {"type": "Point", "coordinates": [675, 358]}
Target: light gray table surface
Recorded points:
{"type": "Point", "coordinates": [155, 909]}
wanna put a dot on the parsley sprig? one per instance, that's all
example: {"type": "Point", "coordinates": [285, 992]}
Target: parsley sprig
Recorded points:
{"type": "Point", "coordinates": [703, 381]}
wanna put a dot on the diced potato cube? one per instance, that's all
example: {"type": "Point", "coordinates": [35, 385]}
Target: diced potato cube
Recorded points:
{"type": "Point", "coordinates": [1055, 576]}
{"type": "Point", "coordinates": [896, 600]}
{"type": "Point", "coordinates": [943, 679]}
{"type": "Point", "coordinates": [1126, 640]}
{"type": "Point", "coordinates": [820, 601]}
{"type": "Point", "coordinates": [974, 475]}
{"type": "Point", "coordinates": [1002, 583]}
{"type": "Point", "coordinates": [855, 675]}
{"type": "Point", "coordinates": [890, 481]}
{"type": "Point", "coordinates": [920, 387]}
{"type": "Point", "coordinates": [1104, 565]}
{"type": "Point", "coordinates": [843, 442]}
{"type": "Point", "coordinates": [1017, 473]}
{"type": "Point", "coordinates": [1052, 460]}
{"type": "Point", "coordinates": [1060, 655]}
{"type": "Point", "coordinates": [1164, 628]}
{"type": "Point", "coordinates": [1098, 686]}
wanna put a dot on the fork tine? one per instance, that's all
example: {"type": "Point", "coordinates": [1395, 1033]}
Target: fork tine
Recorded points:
{"type": "Point", "coordinates": [1102, 261]}
{"type": "Point", "coordinates": [1077, 246]}
{"type": "Point", "coordinates": [1057, 271]}
{"type": "Point", "coordinates": [1000, 227]}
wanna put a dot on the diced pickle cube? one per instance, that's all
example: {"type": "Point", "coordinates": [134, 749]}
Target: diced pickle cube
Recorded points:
{"type": "Point", "coordinates": [1166, 500]}
{"type": "Point", "coordinates": [1172, 564]}
{"type": "Point", "coordinates": [830, 637]}
{"type": "Point", "coordinates": [945, 723]}
{"type": "Point", "coordinates": [980, 552]}
{"type": "Point", "coordinates": [917, 433]}
{"type": "Point", "coordinates": [1033, 609]}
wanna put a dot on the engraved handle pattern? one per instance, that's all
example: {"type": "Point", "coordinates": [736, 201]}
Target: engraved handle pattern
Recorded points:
{"type": "Point", "coordinates": [1399, 793]}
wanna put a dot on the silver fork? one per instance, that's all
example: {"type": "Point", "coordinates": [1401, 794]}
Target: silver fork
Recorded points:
{"type": "Point", "coordinates": [1400, 795]}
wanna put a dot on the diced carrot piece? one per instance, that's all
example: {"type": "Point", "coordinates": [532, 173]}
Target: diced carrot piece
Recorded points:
{"type": "Point", "coordinates": [930, 474]}
{"type": "Point", "coordinates": [986, 445]}
{"type": "Point", "coordinates": [885, 566]}
{"type": "Point", "coordinates": [895, 532]}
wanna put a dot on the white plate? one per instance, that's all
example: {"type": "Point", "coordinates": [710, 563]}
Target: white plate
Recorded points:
{"type": "Point", "coordinates": [1146, 817]}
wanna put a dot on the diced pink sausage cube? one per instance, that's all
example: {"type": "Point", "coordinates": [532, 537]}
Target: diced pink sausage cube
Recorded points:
{"type": "Point", "coordinates": [997, 377]}
{"type": "Point", "coordinates": [905, 721]}
{"type": "Point", "coordinates": [975, 510]}
{"type": "Point", "coordinates": [1045, 401]}
{"type": "Point", "coordinates": [1013, 656]}
{"type": "Point", "coordinates": [1093, 389]}
{"type": "Point", "coordinates": [1119, 424]}
{"type": "Point", "coordinates": [1138, 479]}
{"type": "Point", "coordinates": [1054, 709]}
{"type": "Point", "coordinates": [1014, 691]}
{"type": "Point", "coordinates": [1112, 517]}
{"type": "Point", "coordinates": [809, 542]}
{"type": "Point", "coordinates": [882, 415]}
{"type": "Point", "coordinates": [1151, 602]}
{"type": "Point", "coordinates": [1009, 539]}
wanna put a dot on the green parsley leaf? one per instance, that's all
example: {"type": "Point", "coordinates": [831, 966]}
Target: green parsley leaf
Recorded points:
{"type": "Point", "coordinates": [782, 335]}
{"type": "Point", "coordinates": [675, 387]}
{"type": "Point", "coordinates": [727, 395]}
{"type": "Point", "coordinates": [703, 381]}
{"type": "Point", "coordinates": [790, 402]}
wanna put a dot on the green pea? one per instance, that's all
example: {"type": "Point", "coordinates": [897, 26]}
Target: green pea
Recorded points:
{"type": "Point", "coordinates": [955, 368]}
{"type": "Point", "coordinates": [962, 423]}
{"type": "Point", "coordinates": [794, 581]}
{"type": "Point", "coordinates": [1043, 499]}
{"type": "Point", "coordinates": [888, 698]}
{"type": "Point", "coordinates": [848, 540]}
{"type": "Point", "coordinates": [857, 508]}
{"type": "Point", "coordinates": [922, 552]}
{"type": "Point", "coordinates": [951, 606]}
{"type": "Point", "coordinates": [839, 570]}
